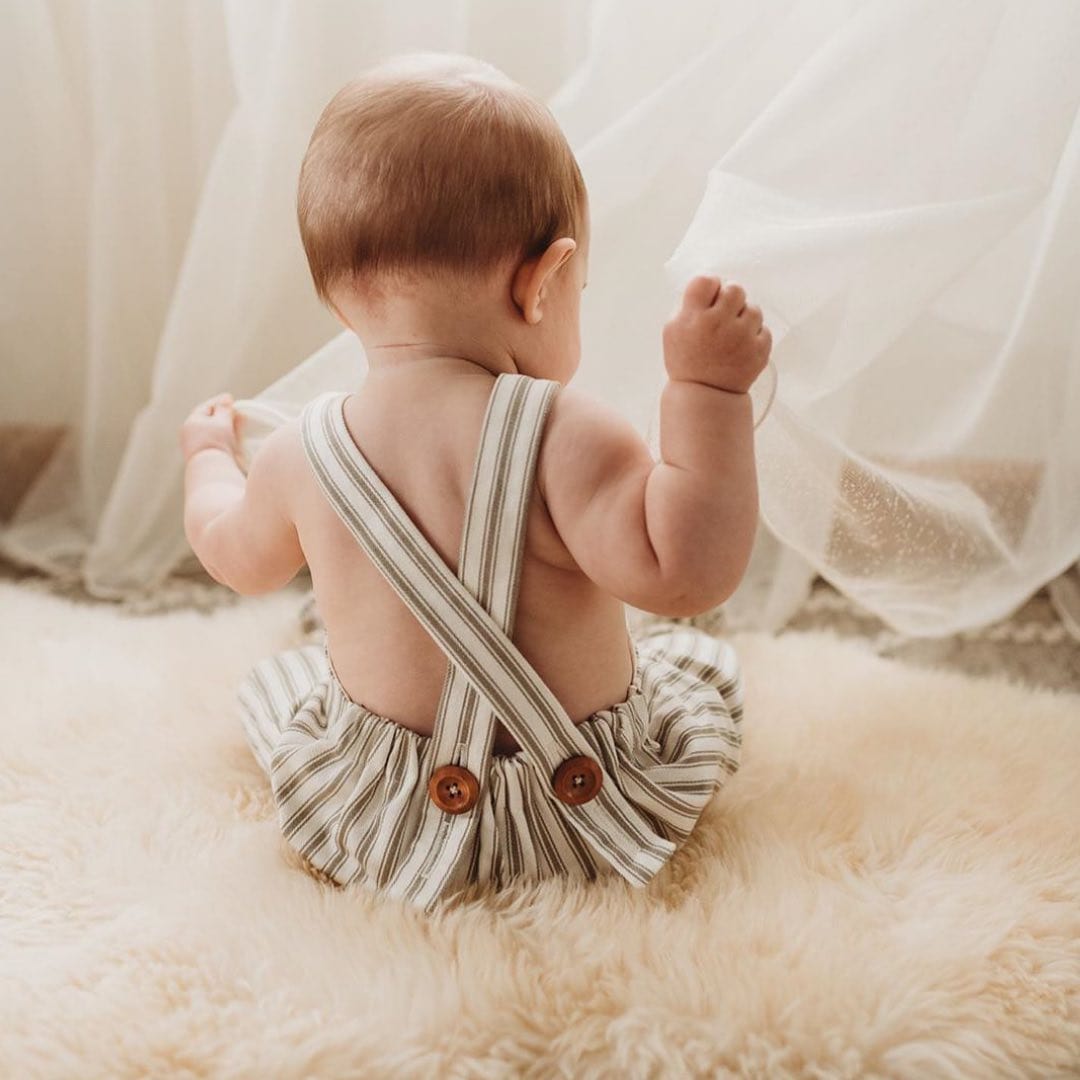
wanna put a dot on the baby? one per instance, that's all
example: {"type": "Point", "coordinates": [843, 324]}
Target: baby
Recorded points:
{"type": "Point", "coordinates": [480, 711]}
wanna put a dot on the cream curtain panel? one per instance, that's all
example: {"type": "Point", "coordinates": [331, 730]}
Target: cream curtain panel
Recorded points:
{"type": "Point", "coordinates": [897, 183]}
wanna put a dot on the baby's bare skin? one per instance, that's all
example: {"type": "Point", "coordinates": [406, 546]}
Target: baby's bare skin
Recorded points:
{"type": "Point", "coordinates": [608, 524]}
{"type": "Point", "coordinates": [421, 432]}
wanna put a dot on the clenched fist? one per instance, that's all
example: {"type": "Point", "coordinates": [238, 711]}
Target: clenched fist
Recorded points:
{"type": "Point", "coordinates": [716, 337]}
{"type": "Point", "coordinates": [214, 423]}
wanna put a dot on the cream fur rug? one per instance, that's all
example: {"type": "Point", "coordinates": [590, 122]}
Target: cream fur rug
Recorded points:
{"type": "Point", "coordinates": [889, 887]}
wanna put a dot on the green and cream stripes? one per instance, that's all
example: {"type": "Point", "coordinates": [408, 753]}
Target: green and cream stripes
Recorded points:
{"type": "Point", "coordinates": [351, 787]}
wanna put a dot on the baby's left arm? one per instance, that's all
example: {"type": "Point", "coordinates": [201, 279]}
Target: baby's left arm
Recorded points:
{"type": "Point", "coordinates": [240, 529]}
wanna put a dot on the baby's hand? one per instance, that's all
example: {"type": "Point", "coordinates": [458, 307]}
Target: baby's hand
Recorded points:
{"type": "Point", "coordinates": [716, 337]}
{"type": "Point", "coordinates": [211, 424]}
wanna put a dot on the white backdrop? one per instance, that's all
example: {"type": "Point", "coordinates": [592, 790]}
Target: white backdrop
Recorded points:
{"type": "Point", "coordinates": [896, 183]}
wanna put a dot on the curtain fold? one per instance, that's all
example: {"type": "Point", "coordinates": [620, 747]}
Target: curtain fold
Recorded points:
{"type": "Point", "coordinates": [895, 182]}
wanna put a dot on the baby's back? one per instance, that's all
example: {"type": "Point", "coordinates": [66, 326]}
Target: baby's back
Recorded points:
{"type": "Point", "coordinates": [421, 434]}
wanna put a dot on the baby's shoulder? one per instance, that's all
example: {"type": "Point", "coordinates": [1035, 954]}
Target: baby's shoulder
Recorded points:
{"type": "Point", "coordinates": [280, 454]}
{"type": "Point", "coordinates": [585, 435]}
{"type": "Point", "coordinates": [580, 414]}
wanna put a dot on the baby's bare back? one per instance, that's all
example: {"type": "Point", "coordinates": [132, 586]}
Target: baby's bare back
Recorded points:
{"type": "Point", "coordinates": [608, 523]}
{"type": "Point", "coordinates": [421, 436]}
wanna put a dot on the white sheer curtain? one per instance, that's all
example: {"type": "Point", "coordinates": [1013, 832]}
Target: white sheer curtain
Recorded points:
{"type": "Point", "coordinates": [896, 183]}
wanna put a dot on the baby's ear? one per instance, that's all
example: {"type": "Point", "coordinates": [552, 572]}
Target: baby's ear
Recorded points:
{"type": "Point", "coordinates": [525, 289]}
{"type": "Point", "coordinates": [533, 276]}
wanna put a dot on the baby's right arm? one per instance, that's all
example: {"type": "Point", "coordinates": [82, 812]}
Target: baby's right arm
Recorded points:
{"type": "Point", "coordinates": [672, 537]}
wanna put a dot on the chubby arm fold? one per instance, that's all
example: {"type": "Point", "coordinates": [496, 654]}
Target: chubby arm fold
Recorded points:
{"type": "Point", "coordinates": [671, 536]}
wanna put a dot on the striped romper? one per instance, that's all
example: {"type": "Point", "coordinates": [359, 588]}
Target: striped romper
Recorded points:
{"type": "Point", "coordinates": [366, 800]}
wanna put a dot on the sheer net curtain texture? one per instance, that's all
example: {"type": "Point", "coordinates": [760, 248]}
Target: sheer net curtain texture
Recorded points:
{"type": "Point", "coordinates": [896, 183]}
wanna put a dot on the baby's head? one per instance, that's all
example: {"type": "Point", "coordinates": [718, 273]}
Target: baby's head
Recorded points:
{"type": "Point", "coordinates": [436, 186]}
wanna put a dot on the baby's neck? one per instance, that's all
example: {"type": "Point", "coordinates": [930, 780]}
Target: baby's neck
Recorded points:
{"type": "Point", "coordinates": [388, 362]}
{"type": "Point", "coordinates": [434, 357]}
{"type": "Point", "coordinates": [433, 328]}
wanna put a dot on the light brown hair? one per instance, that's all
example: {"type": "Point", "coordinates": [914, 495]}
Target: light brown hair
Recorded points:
{"type": "Point", "coordinates": [433, 162]}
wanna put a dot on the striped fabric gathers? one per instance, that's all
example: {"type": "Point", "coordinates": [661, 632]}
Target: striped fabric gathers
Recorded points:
{"type": "Point", "coordinates": [352, 787]}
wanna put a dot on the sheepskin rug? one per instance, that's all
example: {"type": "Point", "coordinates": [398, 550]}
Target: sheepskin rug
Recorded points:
{"type": "Point", "coordinates": [889, 887]}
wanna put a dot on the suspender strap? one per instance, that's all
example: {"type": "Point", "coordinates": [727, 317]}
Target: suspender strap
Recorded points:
{"type": "Point", "coordinates": [489, 565]}
{"type": "Point", "coordinates": [472, 639]}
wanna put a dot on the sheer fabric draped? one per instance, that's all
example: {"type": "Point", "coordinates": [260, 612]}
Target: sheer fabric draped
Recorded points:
{"type": "Point", "coordinates": [898, 184]}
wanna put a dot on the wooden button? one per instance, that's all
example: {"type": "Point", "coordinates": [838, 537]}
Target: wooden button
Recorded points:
{"type": "Point", "coordinates": [453, 789]}
{"type": "Point", "coordinates": [578, 779]}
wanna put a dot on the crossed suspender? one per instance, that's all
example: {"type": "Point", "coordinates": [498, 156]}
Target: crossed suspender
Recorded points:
{"type": "Point", "coordinates": [470, 619]}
